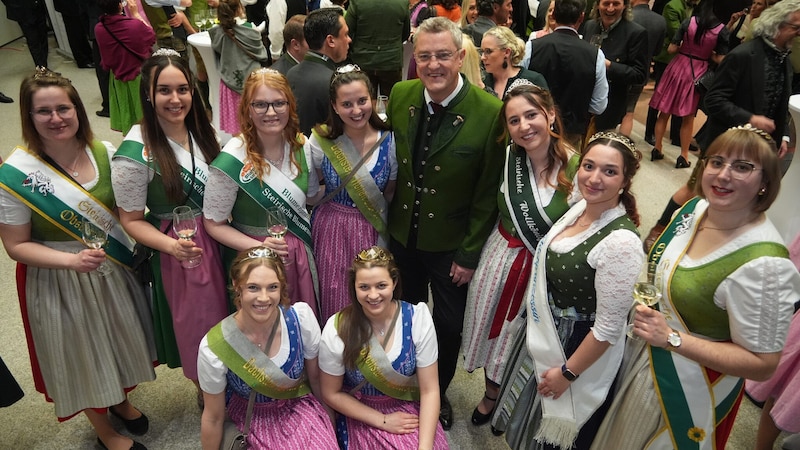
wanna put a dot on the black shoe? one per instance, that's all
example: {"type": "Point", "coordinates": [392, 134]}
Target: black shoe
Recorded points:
{"type": "Point", "coordinates": [650, 139]}
{"type": "Point", "coordinates": [682, 163]}
{"type": "Point", "coordinates": [497, 432]}
{"type": "Point", "coordinates": [656, 154]}
{"type": "Point", "coordinates": [88, 65]}
{"type": "Point", "coordinates": [135, 446]}
{"type": "Point", "coordinates": [446, 414]}
{"type": "Point", "coordinates": [102, 113]}
{"type": "Point", "coordinates": [138, 426]}
{"type": "Point", "coordinates": [5, 99]}
{"type": "Point", "coordinates": [693, 147]}
{"type": "Point", "coordinates": [478, 418]}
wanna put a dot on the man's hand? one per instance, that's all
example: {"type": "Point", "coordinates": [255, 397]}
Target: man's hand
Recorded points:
{"type": "Point", "coordinates": [460, 275]}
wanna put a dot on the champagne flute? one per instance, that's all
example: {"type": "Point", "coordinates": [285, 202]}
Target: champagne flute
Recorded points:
{"type": "Point", "coordinates": [95, 238]}
{"type": "Point", "coordinates": [645, 293]}
{"type": "Point", "coordinates": [380, 107]}
{"type": "Point", "coordinates": [184, 223]}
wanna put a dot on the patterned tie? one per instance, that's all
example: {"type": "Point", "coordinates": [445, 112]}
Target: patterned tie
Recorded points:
{"type": "Point", "coordinates": [436, 107]}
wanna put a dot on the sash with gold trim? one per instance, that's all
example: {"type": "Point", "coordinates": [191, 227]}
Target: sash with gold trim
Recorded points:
{"type": "Point", "coordinates": [362, 188]}
{"type": "Point", "coordinates": [274, 190]}
{"type": "Point", "coordinates": [62, 201]}
{"type": "Point", "coordinates": [133, 148]}
{"type": "Point", "coordinates": [374, 364]}
{"type": "Point", "coordinates": [691, 409]}
{"type": "Point", "coordinates": [251, 364]}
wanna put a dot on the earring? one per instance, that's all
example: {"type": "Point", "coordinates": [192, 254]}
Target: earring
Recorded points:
{"type": "Point", "coordinates": [552, 126]}
{"type": "Point", "coordinates": [762, 191]}
{"type": "Point", "coordinates": [505, 64]}
{"type": "Point", "coordinates": [621, 191]}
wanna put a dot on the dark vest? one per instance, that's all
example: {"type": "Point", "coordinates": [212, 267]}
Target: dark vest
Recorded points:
{"type": "Point", "coordinates": [568, 64]}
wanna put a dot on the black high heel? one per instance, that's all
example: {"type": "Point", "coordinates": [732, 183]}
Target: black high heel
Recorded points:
{"type": "Point", "coordinates": [682, 163]}
{"type": "Point", "coordinates": [656, 154]}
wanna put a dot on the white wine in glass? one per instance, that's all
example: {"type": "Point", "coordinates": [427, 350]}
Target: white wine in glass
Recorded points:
{"type": "Point", "coordinates": [95, 238]}
{"type": "Point", "coordinates": [276, 223]}
{"type": "Point", "coordinates": [184, 223]}
{"type": "Point", "coordinates": [646, 294]}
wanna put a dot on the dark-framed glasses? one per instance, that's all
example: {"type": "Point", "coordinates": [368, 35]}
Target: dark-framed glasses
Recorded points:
{"type": "Point", "coordinates": [442, 56]}
{"type": "Point", "coordinates": [261, 108]}
{"type": "Point", "coordinates": [740, 169]}
{"type": "Point", "coordinates": [44, 114]}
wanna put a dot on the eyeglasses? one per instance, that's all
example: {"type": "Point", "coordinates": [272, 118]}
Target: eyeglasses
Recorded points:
{"type": "Point", "coordinates": [740, 170]}
{"type": "Point", "coordinates": [261, 108]}
{"type": "Point", "coordinates": [63, 111]}
{"type": "Point", "coordinates": [487, 51]}
{"type": "Point", "coordinates": [443, 56]}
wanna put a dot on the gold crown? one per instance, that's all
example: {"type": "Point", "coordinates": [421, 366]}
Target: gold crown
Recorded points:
{"type": "Point", "coordinates": [614, 136]}
{"type": "Point", "coordinates": [374, 254]}
{"type": "Point", "coordinates": [261, 252]}
{"type": "Point", "coordinates": [166, 52]}
{"type": "Point", "coordinates": [43, 72]}
{"type": "Point", "coordinates": [747, 127]}
{"type": "Point", "coordinates": [264, 70]}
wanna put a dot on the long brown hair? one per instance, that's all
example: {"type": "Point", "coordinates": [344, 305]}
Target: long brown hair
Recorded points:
{"type": "Point", "coordinates": [354, 328]}
{"type": "Point", "coordinates": [248, 260]}
{"type": "Point", "coordinates": [153, 135]}
{"type": "Point", "coordinates": [291, 134]}
{"type": "Point", "coordinates": [558, 151]}
{"type": "Point", "coordinates": [40, 79]}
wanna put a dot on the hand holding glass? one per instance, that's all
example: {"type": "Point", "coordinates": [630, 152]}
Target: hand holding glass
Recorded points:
{"type": "Point", "coordinates": [184, 223]}
{"type": "Point", "coordinates": [645, 293]}
{"type": "Point", "coordinates": [95, 238]}
{"type": "Point", "coordinates": [276, 223]}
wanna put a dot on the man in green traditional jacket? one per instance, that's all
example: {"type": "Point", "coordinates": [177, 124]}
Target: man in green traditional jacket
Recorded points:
{"type": "Point", "coordinates": [449, 166]}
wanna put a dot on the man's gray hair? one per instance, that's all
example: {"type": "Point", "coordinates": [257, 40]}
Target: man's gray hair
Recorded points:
{"type": "Point", "coordinates": [771, 19]}
{"type": "Point", "coordinates": [441, 25]}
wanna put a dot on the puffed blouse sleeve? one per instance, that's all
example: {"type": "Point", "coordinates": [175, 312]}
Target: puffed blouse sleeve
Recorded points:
{"type": "Point", "coordinates": [317, 155]}
{"type": "Point", "coordinates": [211, 372]}
{"type": "Point", "coordinates": [220, 196]}
{"type": "Point", "coordinates": [617, 261]}
{"type": "Point", "coordinates": [759, 298]}
{"type": "Point", "coordinates": [331, 348]}
{"type": "Point", "coordinates": [309, 329]}
{"type": "Point", "coordinates": [129, 180]}
{"type": "Point", "coordinates": [423, 334]}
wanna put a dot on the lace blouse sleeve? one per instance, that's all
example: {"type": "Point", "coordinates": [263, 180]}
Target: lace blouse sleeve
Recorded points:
{"type": "Point", "coordinates": [220, 196]}
{"type": "Point", "coordinates": [618, 261]}
{"type": "Point", "coordinates": [129, 181]}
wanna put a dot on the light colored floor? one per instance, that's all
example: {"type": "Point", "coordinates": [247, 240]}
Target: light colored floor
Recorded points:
{"type": "Point", "coordinates": [170, 400]}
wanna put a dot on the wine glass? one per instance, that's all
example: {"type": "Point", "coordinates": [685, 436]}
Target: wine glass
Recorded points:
{"type": "Point", "coordinates": [95, 237]}
{"type": "Point", "coordinates": [200, 20]}
{"type": "Point", "coordinates": [211, 17]}
{"type": "Point", "coordinates": [276, 223]}
{"type": "Point", "coordinates": [184, 223]}
{"type": "Point", "coordinates": [645, 293]}
{"type": "Point", "coordinates": [380, 107]}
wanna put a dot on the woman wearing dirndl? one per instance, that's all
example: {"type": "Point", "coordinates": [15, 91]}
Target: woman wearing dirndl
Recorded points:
{"type": "Point", "coordinates": [536, 190]}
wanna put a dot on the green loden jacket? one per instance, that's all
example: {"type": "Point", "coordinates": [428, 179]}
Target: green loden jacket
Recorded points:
{"type": "Point", "coordinates": [458, 203]}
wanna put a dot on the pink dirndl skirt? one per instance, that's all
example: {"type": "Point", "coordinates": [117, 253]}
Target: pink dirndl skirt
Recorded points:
{"type": "Point", "coordinates": [294, 424]}
{"type": "Point", "coordinates": [363, 436]}
{"type": "Point", "coordinates": [339, 232]}
{"type": "Point", "coordinates": [228, 107]}
{"type": "Point", "coordinates": [197, 297]}
{"type": "Point", "coordinates": [784, 385]}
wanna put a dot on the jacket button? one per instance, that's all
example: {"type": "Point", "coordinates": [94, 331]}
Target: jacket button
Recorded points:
{"type": "Point", "coordinates": [437, 168]}
{"type": "Point", "coordinates": [430, 215]}
{"type": "Point", "coordinates": [405, 206]}
{"type": "Point", "coordinates": [433, 191]}
{"type": "Point", "coordinates": [405, 160]}
{"type": "Point", "coordinates": [425, 190]}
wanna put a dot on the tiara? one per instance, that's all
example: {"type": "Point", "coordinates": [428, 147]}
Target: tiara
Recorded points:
{"type": "Point", "coordinates": [261, 252]}
{"type": "Point", "coordinates": [521, 82]}
{"type": "Point", "coordinates": [43, 72]}
{"type": "Point", "coordinates": [264, 71]}
{"type": "Point", "coordinates": [373, 254]}
{"type": "Point", "coordinates": [166, 52]}
{"type": "Point", "coordinates": [614, 136]}
{"type": "Point", "coordinates": [763, 134]}
{"type": "Point", "coordinates": [347, 68]}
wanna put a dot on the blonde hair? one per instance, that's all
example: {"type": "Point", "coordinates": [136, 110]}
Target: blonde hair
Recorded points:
{"type": "Point", "coordinates": [472, 61]}
{"type": "Point", "coordinates": [506, 39]}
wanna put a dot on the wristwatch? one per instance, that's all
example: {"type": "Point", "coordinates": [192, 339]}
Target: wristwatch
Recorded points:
{"type": "Point", "coordinates": [673, 340]}
{"type": "Point", "coordinates": [568, 374]}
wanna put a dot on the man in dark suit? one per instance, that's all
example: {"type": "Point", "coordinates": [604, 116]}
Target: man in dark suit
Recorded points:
{"type": "Point", "coordinates": [31, 15]}
{"type": "Point", "coordinates": [624, 43]}
{"type": "Point", "coordinates": [294, 44]}
{"type": "Point", "coordinates": [574, 69]}
{"type": "Point", "coordinates": [326, 34]}
{"type": "Point", "coordinates": [490, 14]}
{"type": "Point", "coordinates": [656, 28]}
{"type": "Point", "coordinates": [449, 166]}
{"type": "Point", "coordinates": [752, 86]}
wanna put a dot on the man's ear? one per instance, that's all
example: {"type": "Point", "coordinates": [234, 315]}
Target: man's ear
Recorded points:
{"type": "Point", "coordinates": [329, 41]}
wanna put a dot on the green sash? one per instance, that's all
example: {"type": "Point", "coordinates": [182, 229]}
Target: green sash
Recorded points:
{"type": "Point", "coordinates": [531, 225]}
{"type": "Point", "coordinates": [251, 364]}
{"type": "Point", "coordinates": [378, 370]}
{"type": "Point", "coordinates": [62, 201]}
{"type": "Point", "coordinates": [362, 188]}
{"type": "Point", "coordinates": [275, 189]}
{"type": "Point", "coordinates": [133, 148]}
{"type": "Point", "coordinates": [691, 409]}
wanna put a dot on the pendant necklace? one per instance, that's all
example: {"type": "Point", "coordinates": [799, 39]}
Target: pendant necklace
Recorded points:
{"type": "Point", "coordinates": [73, 170]}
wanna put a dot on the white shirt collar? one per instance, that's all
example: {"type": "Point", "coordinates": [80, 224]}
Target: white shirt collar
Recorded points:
{"type": "Point", "coordinates": [447, 99]}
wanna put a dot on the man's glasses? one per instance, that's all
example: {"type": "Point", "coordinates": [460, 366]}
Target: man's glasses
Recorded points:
{"type": "Point", "coordinates": [740, 170]}
{"type": "Point", "coordinates": [443, 56]}
{"type": "Point", "coordinates": [261, 108]}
